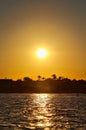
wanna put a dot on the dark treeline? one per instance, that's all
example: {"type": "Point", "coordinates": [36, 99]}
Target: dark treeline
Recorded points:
{"type": "Point", "coordinates": [42, 85]}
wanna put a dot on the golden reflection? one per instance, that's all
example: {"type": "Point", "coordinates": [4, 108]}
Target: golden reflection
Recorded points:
{"type": "Point", "coordinates": [42, 115]}
{"type": "Point", "coordinates": [44, 96]}
{"type": "Point", "coordinates": [42, 99]}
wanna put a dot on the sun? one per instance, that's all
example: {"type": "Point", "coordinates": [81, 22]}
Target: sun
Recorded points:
{"type": "Point", "coordinates": [41, 53]}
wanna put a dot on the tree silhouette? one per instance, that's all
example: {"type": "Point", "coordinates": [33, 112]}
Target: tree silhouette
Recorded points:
{"type": "Point", "coordinates": [39, 77]}
{"type": "Point", "coordinates": [60, 78]}
{"type": "Point", "coordinates": [48, 85]}
{"type": "Point", "coordinates": [43, 78]}
{"type": "Point", "coordinates": [26, 79]}
{"type": "Point", "coordinates": [54, 76]}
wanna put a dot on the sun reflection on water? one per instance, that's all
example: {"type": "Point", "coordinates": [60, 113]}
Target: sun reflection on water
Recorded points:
{"type": "Point", "coordinates": [42, 99]}
{"type": "Point", "coordinates": [41, 114]}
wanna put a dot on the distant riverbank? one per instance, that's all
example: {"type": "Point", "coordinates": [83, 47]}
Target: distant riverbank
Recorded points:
{"type": "Point", "coordinates": [42, 86]}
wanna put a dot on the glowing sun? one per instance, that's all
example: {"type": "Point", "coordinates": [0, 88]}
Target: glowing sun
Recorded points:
{"type": "Point", "coordinates": [41, 53]}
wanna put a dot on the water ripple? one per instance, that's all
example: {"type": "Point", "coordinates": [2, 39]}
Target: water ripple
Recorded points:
{"type": "Point", "coordinates": [42, 112]}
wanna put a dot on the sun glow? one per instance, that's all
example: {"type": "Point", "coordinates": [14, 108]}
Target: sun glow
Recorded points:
{"type": "Point", "coordinates": [41, 53]}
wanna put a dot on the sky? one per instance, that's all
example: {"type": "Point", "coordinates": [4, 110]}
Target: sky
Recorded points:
{"type": "Point", "coordinates": [59, 26]}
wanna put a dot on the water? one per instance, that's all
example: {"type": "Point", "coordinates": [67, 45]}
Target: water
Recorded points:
{"type": "Point", "coordinates": [42, 112]}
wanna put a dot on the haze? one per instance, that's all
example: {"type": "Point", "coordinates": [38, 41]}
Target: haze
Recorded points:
{"type": "Point", "coordinates": [58, 26]}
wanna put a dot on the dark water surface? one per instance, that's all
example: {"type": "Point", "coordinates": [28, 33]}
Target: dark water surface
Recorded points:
{"type": "Point", "coordinates": [42, 112]}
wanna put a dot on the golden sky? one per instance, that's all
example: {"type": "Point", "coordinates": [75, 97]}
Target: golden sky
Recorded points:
{"type": "Point", "coordinates": [58, 26]}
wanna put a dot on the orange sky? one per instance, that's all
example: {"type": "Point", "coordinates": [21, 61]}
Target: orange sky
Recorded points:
{"type": "Point", "coordinates": [57, 26]}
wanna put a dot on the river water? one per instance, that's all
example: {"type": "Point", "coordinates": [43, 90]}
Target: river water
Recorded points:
{"type": "Point", "coordinates": [42, 112]}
